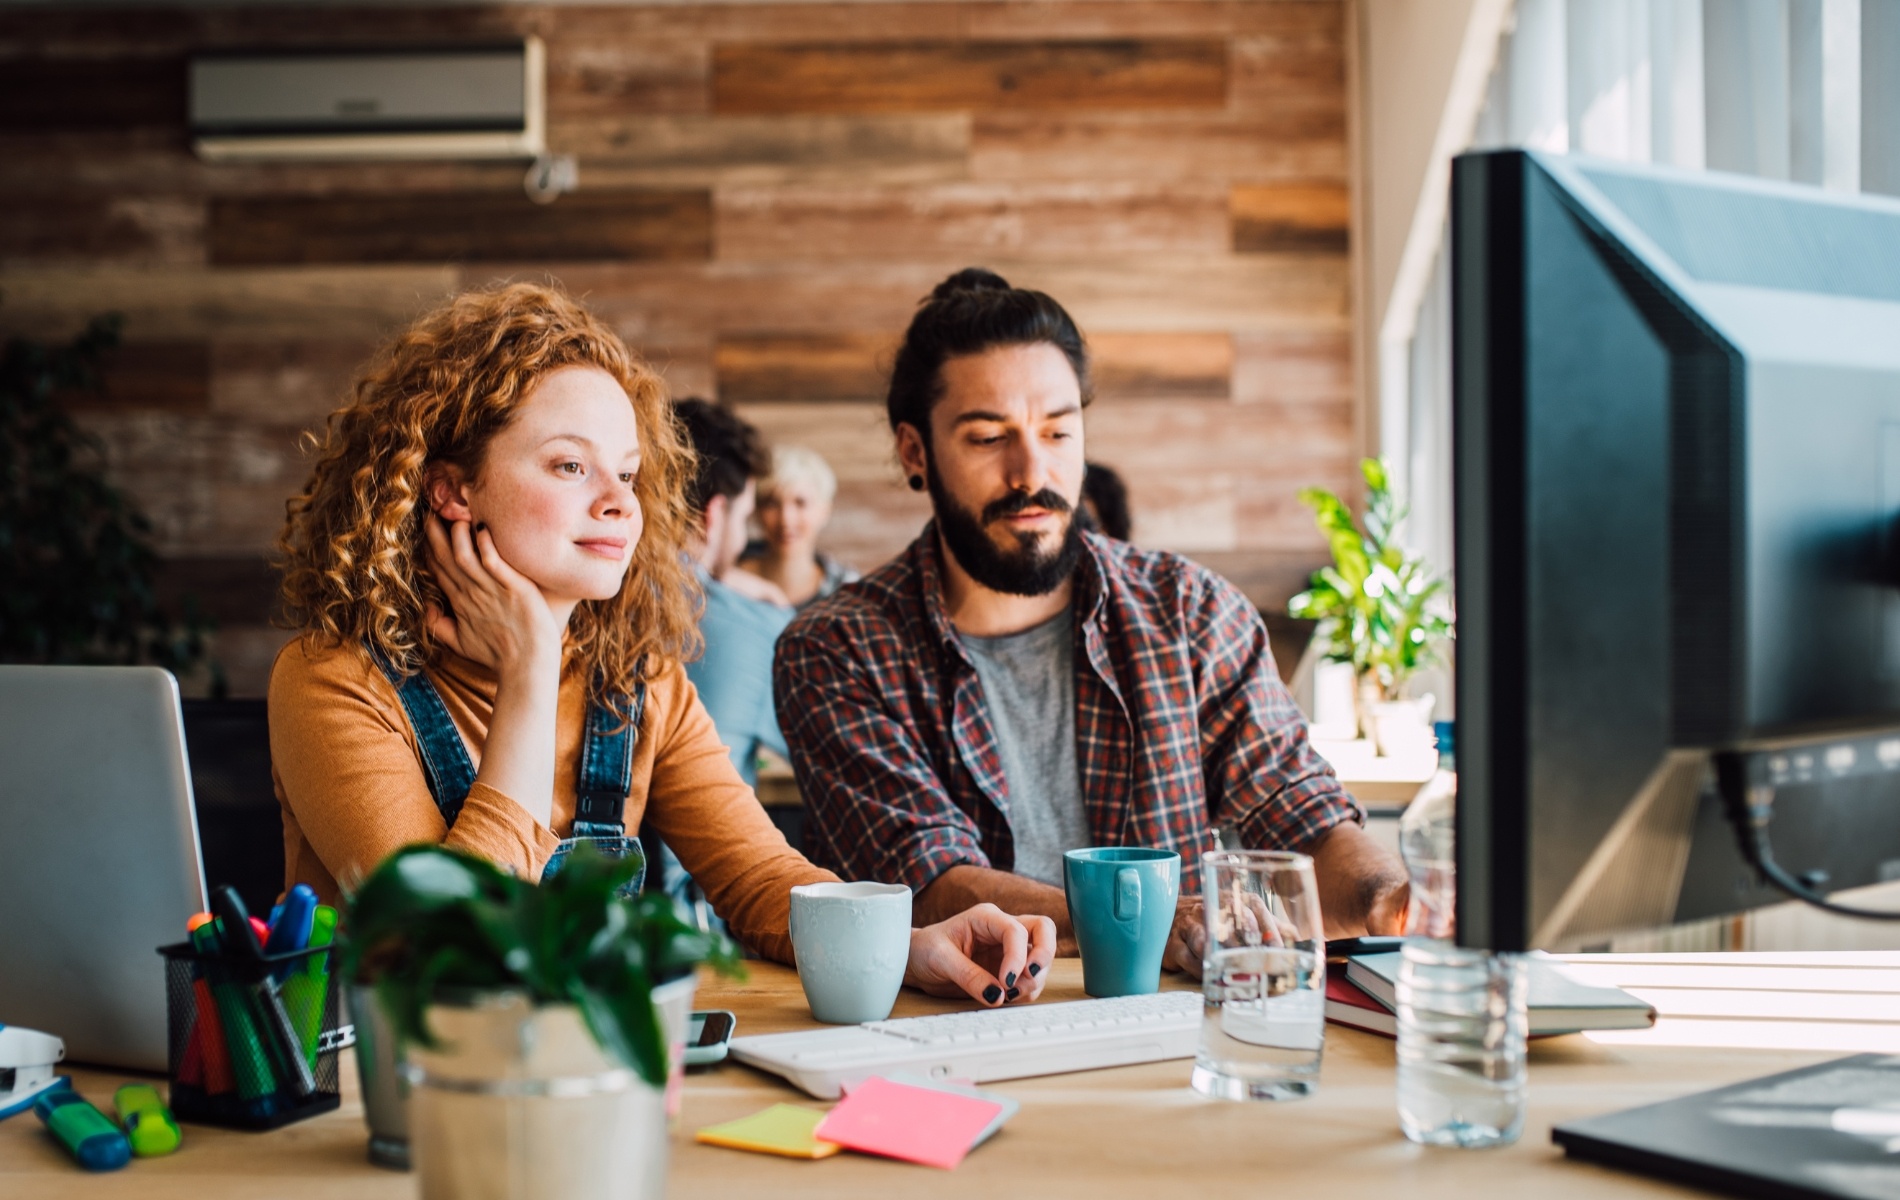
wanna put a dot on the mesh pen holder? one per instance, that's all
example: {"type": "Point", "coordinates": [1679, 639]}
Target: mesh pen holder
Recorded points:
{"type": "Point", "coordinates": [253, 1042]}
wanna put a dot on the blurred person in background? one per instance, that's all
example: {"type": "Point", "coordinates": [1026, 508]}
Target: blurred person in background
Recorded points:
{"type": "Point", "coordinates": [793, 508]}
{"type": "Point", "coordinates": [1105, 502]}
{"type": "Point", "coordinates": [739, 623]}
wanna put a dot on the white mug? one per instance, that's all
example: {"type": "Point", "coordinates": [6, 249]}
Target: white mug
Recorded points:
{"type": "Point", "coordinates": [853, 944]}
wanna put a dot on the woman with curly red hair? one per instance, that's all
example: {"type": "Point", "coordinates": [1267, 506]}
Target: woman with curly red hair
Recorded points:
{"type": "Point", "coordinates": [486, 569]}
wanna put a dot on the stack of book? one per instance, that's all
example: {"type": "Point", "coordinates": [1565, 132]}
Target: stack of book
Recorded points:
{"type": "Point", "coordinates": [1365, 995]}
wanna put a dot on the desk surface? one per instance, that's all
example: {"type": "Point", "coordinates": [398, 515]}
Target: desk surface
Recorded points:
{"type": "Point", "coordinates": [1130, 1131]}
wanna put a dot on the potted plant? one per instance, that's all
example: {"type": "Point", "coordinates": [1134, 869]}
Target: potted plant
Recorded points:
{"type": "Point", "coordinates": [75, 551]}
{"type": "Point", "coordinates": [542, 1023]}
{"type": "Point", "coordinates": [1379, 608]}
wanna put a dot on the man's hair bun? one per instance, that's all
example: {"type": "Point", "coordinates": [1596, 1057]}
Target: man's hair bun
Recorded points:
{"type": "Point", "coordinates": [970, 279]}
{"type": "Point", "coordinates": [969, 313]}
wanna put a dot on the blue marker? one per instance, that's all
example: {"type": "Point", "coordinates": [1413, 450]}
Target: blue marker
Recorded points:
{"type": "Point", "coordinates": [88, 1134]}
{"type": "Point", "coordinates": [290, 927]}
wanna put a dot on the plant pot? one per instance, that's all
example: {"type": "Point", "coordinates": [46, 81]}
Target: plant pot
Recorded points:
{"type": "Point", "coordinates": [1403, 728]}
{"type": "Point", "coordinates": [379, 1065]}
{"type": "Point", "coordinates": [520, 1103]}
{"type": "Point", "coordinates": [1335, 703]}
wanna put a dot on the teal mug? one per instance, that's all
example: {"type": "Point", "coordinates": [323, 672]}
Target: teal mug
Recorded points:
{"type": "Point", "coordinates": [1121, 902]}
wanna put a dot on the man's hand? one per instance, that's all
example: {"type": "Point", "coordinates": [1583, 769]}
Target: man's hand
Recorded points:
{"type": "Point", "coordinates": [1187, 941]}
{"type": "Point", "coordinates": [985, 953]}
{"type": "Point", "coordinates": [1387, 916]}
{"type": "Point", "coordinates": [1363, 888]}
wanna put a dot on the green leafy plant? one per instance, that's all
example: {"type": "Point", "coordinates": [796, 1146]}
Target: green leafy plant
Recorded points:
{"type": "Point", "coordinates": [430, 919]}
{"type": "Point", "coordinates": [75, 551]}
{"type": "Point", "coordinates": [1378, 608]}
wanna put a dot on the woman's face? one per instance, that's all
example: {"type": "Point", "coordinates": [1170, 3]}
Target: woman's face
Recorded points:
{"type": "Point", "coordinates": [792, 516]}
{"type": "Point", "coordinates": [555, 488]}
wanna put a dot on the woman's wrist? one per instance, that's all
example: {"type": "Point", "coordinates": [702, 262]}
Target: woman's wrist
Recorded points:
{"type": "Point", "coordinates": [911, 977]}
{"type": "Point", "coordinates": [535, 660]}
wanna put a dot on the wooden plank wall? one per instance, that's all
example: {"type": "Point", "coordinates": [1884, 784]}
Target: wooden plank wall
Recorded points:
{"type": "Point", "coordinates": [766, 190]}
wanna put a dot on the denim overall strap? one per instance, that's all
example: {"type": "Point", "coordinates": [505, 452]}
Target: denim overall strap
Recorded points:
{"type": "Point", "coordinates": [444, 755]}
{"type": "Point", "coordinates": [600, 800]}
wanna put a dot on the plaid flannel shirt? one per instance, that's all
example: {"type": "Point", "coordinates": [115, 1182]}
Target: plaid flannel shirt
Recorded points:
{"type": "Point", "coordinates": [1181, 724]}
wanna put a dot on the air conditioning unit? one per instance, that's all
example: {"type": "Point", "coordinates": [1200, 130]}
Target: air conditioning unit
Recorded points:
{"type": "Point", "coordinates": [482, 101]}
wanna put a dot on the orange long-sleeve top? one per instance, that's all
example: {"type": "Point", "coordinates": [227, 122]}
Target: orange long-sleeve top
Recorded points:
{"type": "Point", "coordinates": [350, 781]}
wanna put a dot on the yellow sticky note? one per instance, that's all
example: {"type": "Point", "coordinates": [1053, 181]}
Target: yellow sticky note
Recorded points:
{"type": "Point", "coordinates": [781, 1129]}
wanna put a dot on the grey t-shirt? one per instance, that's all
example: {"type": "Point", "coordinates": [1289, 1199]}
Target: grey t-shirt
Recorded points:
{"type": "Point", "coordinates": [1029, 683]}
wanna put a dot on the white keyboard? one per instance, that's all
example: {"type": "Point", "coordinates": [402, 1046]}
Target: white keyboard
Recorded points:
{"type": "Point", "coordinates": [986, 1044]}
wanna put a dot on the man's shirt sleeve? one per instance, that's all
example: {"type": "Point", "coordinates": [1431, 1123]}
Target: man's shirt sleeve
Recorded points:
{"type": "Point", "coordinates": [1263, 776]}
{"type": "Point", "coordinates": [875, 808]}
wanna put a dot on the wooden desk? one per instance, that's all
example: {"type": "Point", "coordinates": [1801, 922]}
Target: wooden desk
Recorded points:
{"type": "Point", "coordinates": [1131, 1131]}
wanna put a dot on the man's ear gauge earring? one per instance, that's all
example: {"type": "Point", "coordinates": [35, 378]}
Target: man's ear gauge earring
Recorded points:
{"type": "Point", "coordinates": [916, 483]}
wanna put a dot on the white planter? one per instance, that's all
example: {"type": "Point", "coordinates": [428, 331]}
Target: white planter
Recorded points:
{"type": "Point", "coordinates": [1403, 728]}
{"type": "Point", "coordinates": [1335, 714]}
{"type": "Point", "coordinates": [520, 1103]}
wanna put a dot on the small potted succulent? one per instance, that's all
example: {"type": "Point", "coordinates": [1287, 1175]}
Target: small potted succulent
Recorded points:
{"type": "Point", "coordinates": [542, 1024]}
{"type": "Point", "coordinates": [1379, 608]}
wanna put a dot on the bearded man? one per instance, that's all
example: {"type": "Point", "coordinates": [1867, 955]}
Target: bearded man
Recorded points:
{"type": "Point", "coordinates": [1012, 687]}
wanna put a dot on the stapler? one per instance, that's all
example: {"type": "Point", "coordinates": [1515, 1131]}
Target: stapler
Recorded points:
{"type": "Point", "coordinates": [27, 1059]}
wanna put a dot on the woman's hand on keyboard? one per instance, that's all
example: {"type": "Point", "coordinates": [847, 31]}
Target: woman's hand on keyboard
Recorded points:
{"type": "Point", "coordinates": [983, 952]}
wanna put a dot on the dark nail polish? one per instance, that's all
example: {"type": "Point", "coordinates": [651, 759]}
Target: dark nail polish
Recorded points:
{"type": "Point", "coordinates": [1035, 968]}
{"type": "Point", "coordinates": [1009, 980]}
{"type": "Point", "coordinates": [1012, 993]}
{"type": "Point", "coordinates": [990, 994]}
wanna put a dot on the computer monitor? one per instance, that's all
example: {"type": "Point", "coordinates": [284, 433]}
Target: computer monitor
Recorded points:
{"type": "Point", "coordinates": [1677, 470]}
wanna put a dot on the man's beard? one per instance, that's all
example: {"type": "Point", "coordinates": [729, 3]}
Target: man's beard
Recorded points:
{"type": "Point", "coordinates": [1026, 570]}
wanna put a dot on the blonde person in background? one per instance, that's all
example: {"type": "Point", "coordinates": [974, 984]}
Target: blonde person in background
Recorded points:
{"type": "Point", "coordinates": [794, 506]}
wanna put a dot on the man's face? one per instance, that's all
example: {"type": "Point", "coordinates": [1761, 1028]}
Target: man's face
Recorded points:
{"type": "Point", "coordinates": [726, 518]}
{"type": "Point", "coordinates": [1005, 466]}
{"type": "Point", "coordinates": [732, 536]}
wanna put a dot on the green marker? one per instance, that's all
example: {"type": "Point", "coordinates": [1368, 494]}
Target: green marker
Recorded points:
{"type": "Point", "coordinates": [94, 1142]}
{"type": "Point", "coordinates": [309, 985]}
{"type": "Point", "coordinates": [149, 1125]}
{"type": "Point", "coordinates": [257, 1084]}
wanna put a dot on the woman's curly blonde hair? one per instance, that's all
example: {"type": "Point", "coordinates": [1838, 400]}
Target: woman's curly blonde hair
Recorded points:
{"type": "Point", "coordinates": [353, 550]}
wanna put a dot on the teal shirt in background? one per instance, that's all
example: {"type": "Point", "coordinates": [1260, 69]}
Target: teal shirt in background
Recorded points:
{"type": "Point", "coordinates": [734, 675]}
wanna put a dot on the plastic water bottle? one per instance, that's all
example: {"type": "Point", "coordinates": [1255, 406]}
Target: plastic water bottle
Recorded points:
{"type": "Point", "coordinates": [1462, 1013]}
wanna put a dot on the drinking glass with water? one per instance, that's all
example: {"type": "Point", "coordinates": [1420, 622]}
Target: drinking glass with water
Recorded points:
{"type": "Point", "coordinates": [1263, 977]}
{"type": "Point", "coordinates": [1462, 1013]}
{"type": "Point", "coordinates": [1462, 1022]}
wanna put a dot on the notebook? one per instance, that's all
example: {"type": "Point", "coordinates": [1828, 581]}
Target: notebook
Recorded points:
{"type": "Point", "coordinates": [1347, 1005]}
{"type": "Point", "coordinates": [1824, 1132]}
{"type": "Point", "coordinates": [1558, 1003]}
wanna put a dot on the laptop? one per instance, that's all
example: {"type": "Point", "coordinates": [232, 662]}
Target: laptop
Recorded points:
{"type": "Point", "coordinates": [1826, 1132]}
{"type": "Point", "coordinates": [99, 862]}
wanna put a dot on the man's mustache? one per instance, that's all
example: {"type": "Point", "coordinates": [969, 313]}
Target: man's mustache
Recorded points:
{"type": "Point", "coordinates": [1016, 502]}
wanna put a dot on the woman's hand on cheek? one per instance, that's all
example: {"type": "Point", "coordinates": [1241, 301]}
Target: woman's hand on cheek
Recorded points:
{"type": "Point", "coordinates": [984, 953]}
{"type": "Point", "coordinates": [498, 616]}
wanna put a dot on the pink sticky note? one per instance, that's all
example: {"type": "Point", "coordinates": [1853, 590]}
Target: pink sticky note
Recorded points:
{"type": "Point", "coordinates": [911, 1123]}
